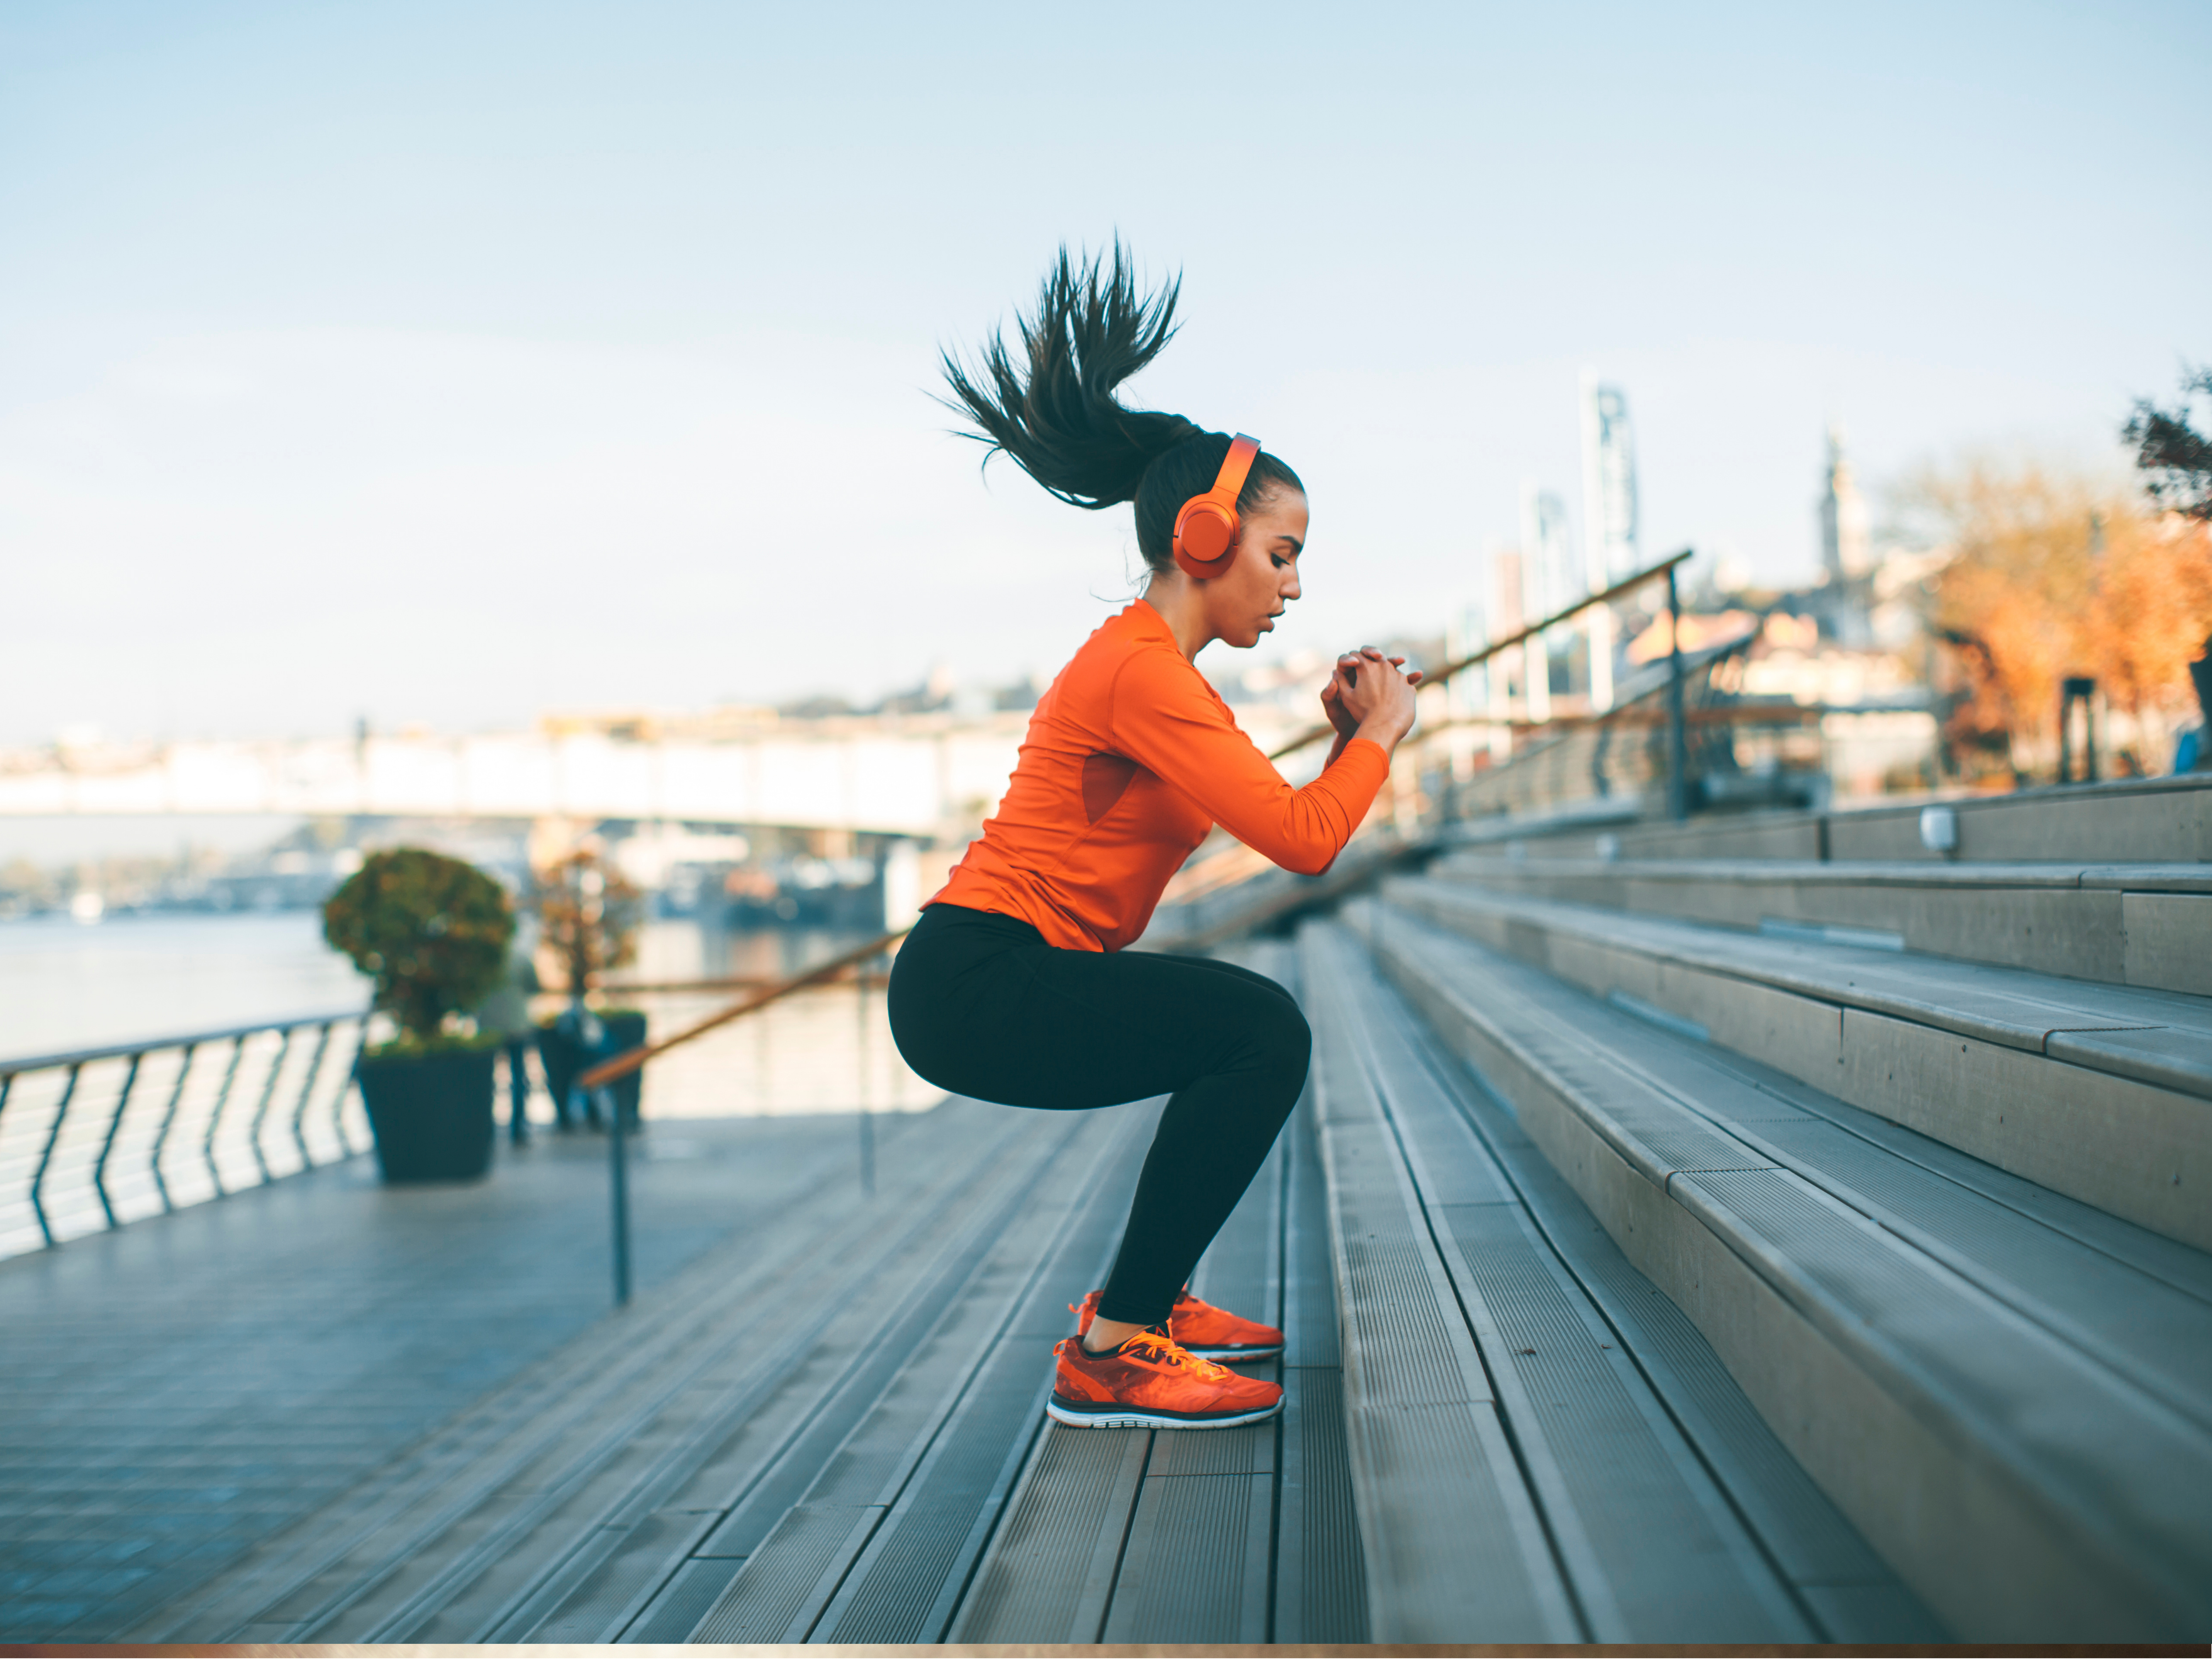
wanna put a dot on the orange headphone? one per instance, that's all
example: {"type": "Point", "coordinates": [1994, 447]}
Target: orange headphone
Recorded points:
{"type": "Point", "coordinates": [1206, 529]}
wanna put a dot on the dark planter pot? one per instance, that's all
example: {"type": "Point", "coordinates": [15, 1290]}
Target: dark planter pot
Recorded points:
{"type": "Point", "coordinates": [431, 1113]}
{"type": "Point", "coordinates": [625, 1031]}
{"type": "Point", "coordinates": [565, 1060]}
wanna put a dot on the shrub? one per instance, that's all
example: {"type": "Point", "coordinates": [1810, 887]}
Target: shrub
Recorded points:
{"type": "Point", "coordinates": [433, 933]}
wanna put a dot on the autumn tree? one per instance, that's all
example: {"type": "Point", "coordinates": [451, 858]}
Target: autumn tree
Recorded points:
{"type": "Point", "coordinates": [2053, 577]}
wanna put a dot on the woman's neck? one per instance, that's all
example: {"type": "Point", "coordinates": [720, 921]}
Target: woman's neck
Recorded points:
{"type": "Point", "coordinates": [1176, 598]}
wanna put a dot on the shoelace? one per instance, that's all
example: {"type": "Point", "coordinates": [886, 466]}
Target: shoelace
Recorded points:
{"type": "Point", "coordinates": [1168, 1350]}
{"type": "Point", "coordinates": [1157, 1345]}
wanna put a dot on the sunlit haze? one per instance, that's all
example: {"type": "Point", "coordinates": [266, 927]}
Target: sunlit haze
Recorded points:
{"type": "Point", "coordinates": [448, 364]}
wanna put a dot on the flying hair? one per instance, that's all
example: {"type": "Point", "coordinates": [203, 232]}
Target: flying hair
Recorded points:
{"type": "Point", "coordinates": [1056, 413]}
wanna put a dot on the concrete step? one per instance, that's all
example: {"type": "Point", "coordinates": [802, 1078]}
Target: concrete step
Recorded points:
{"type": "Point", "coordinates": [2148, 924]}
{"type": "Point", "coordinates": [2143, 820]}
{"type": "Point", "coordinates": [2005, 1391]}
{"type": "Point", "coordinates": [1648, 1503]}
{"type": "Point", "coordinates": [2101, 1092]}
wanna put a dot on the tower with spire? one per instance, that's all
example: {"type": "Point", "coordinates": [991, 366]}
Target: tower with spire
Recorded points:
{"type": "Point", "coordinates": [1846, 547]}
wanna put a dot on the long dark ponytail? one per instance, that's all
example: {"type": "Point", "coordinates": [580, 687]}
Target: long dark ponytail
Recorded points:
{"type": "Point", "coordinates": [1057, 415]}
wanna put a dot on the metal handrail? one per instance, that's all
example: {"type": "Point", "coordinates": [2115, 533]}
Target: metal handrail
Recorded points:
{"type": "Point", "coordinates": [1635, 711]}
{"type": "Point", "coordinates": [92, 1142]}
{"type": "Point", "coordinates": [596, 1081]}
{"type": "Point", "coordinates": [1627, 585]}
{"type": "Point", "coordinates": [610, 1070]}
{"type": "Point", "coordinates": [620, 988]}
{"type": "Point", "coordinates": [190, 1039]}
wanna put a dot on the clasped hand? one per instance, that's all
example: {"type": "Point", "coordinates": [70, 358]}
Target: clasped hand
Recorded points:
{"type": "Point", "coordinates": [1368, 697]}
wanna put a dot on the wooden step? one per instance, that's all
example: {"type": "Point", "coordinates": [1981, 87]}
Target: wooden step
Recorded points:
{"type": "Point", "coordinates": [467, 1523]}
{"type": "Point", "coordinates": [1216, 1537]}
{"type": "Point", "coordinates": [2004, 1390]}
{"type": "Point", "coordinates": [881, 1536]}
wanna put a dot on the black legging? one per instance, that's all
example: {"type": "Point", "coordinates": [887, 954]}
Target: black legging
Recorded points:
{"type": "Point", "coordinates": [980, 1006]}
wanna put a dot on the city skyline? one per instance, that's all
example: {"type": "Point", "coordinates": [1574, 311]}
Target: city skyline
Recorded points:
{"type": "Point", "coordinates": [343, 377]}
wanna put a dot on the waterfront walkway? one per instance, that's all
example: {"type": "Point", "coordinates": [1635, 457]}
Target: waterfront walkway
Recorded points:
{"type": "Point", "coordinates": [179, 1391]}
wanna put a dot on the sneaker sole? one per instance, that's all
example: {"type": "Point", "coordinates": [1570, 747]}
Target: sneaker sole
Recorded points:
{"type": "Point", "coordinates": [1150, 1417]}
{"type": "Point", "coordinates": [1235, 1356]}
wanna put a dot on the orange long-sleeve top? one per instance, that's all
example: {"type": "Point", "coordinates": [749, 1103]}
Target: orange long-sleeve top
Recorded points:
{"type": "Point", "coordinates": [1131, 757]}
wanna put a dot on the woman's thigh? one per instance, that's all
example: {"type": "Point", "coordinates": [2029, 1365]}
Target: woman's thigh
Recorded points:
{"type": "Point", "coordinates": [1260, 982]}
{"type": "Point", "coordinates": [1071, 1030]}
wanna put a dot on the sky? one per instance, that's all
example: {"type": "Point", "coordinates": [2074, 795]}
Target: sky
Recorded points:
{"type": "Point", "coordinates": [447, 363]}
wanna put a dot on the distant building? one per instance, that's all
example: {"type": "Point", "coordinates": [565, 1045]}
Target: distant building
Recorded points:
{"type": "Point", "coordinates": [1609, 517]}
{"type": "Point", "coordinates": [1846, 545]}
{"type": "Point", "coordinates": [1509, 591]}
{"type": "Point", "coordinates": [1550, 573]}
{"type": "Point", "coordinates": [1609, 513]}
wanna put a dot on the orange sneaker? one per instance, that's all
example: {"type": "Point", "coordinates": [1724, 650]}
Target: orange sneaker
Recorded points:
{"type": "Point", "coordinates": [1152, 1381]}
{"type": "Point", "coordinates": [1209, 1332]}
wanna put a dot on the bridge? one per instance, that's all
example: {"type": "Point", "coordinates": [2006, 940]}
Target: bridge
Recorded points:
{"type": "Point", "coordinates": [915, 776]}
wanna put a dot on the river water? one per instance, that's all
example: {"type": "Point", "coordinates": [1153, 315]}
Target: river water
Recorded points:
{"type": "Point", "coordinates": [66, 985]}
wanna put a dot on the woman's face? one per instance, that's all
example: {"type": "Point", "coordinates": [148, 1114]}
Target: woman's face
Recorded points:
{"type": "Point", "coordinates": [1243, 603]}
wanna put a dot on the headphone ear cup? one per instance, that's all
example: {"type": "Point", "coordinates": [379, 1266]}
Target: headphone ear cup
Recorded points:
{"type": "Point", "coordinates": [1205, 535]}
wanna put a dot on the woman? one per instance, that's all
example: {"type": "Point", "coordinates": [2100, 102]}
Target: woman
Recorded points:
{"type": "Point", "coordinates": [1014, 985]}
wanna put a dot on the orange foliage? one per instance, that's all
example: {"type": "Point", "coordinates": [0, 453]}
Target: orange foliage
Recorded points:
{"type": "Point", "coordinates": [2151, 612]}
{"type": "Point", "coordinates": [2052, 578]}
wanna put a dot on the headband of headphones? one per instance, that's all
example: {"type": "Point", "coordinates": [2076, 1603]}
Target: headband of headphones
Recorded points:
{"type": "Point", "coordinates": [1206, 529]}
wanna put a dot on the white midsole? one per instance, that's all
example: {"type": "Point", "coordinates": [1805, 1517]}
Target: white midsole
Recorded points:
{"type": "Point", "coordinates": [1136, 1418]}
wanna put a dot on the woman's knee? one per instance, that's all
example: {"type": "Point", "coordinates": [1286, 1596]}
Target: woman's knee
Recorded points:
{"type": "Point", "coordinates": [1279, 1045]}
{"type": "Point", "coordinates": [1294, 1037]}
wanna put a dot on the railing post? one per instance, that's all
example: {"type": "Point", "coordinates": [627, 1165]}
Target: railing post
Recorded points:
{"type": "Point", "coordinates": [306, 1093]}
{"type": "Point", "coordinates": [595, 1080]}
{"type": "Point", "coordinates": [618, 1191]}
{"type": "Point", "coordinates": [261, 1110]}
{"type": "Point", "coordinates": [162, 1136]}
{"type": "Point", "coordinates": [2081, 689]}
{"type": "Point", "coordinates": [115, 1123]}
{"type": "Point", "coordinates": [352, 1081]}
{"type": "Point", "coordinates": [46, 1157]}
{"type": "Point", "coordinates": [214, 1119]}
{"type": "Point", "coordinates": [1678, 747]}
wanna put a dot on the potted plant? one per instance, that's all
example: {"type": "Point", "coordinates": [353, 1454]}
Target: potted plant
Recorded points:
{"type": "Point", "coordinates": [587, 919]}
{"type": "Point", "coordinates": [433, 933]}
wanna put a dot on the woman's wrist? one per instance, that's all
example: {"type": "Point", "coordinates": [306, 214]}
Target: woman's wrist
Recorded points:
{"type": "Point", "coordinates": [1384, 735]}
